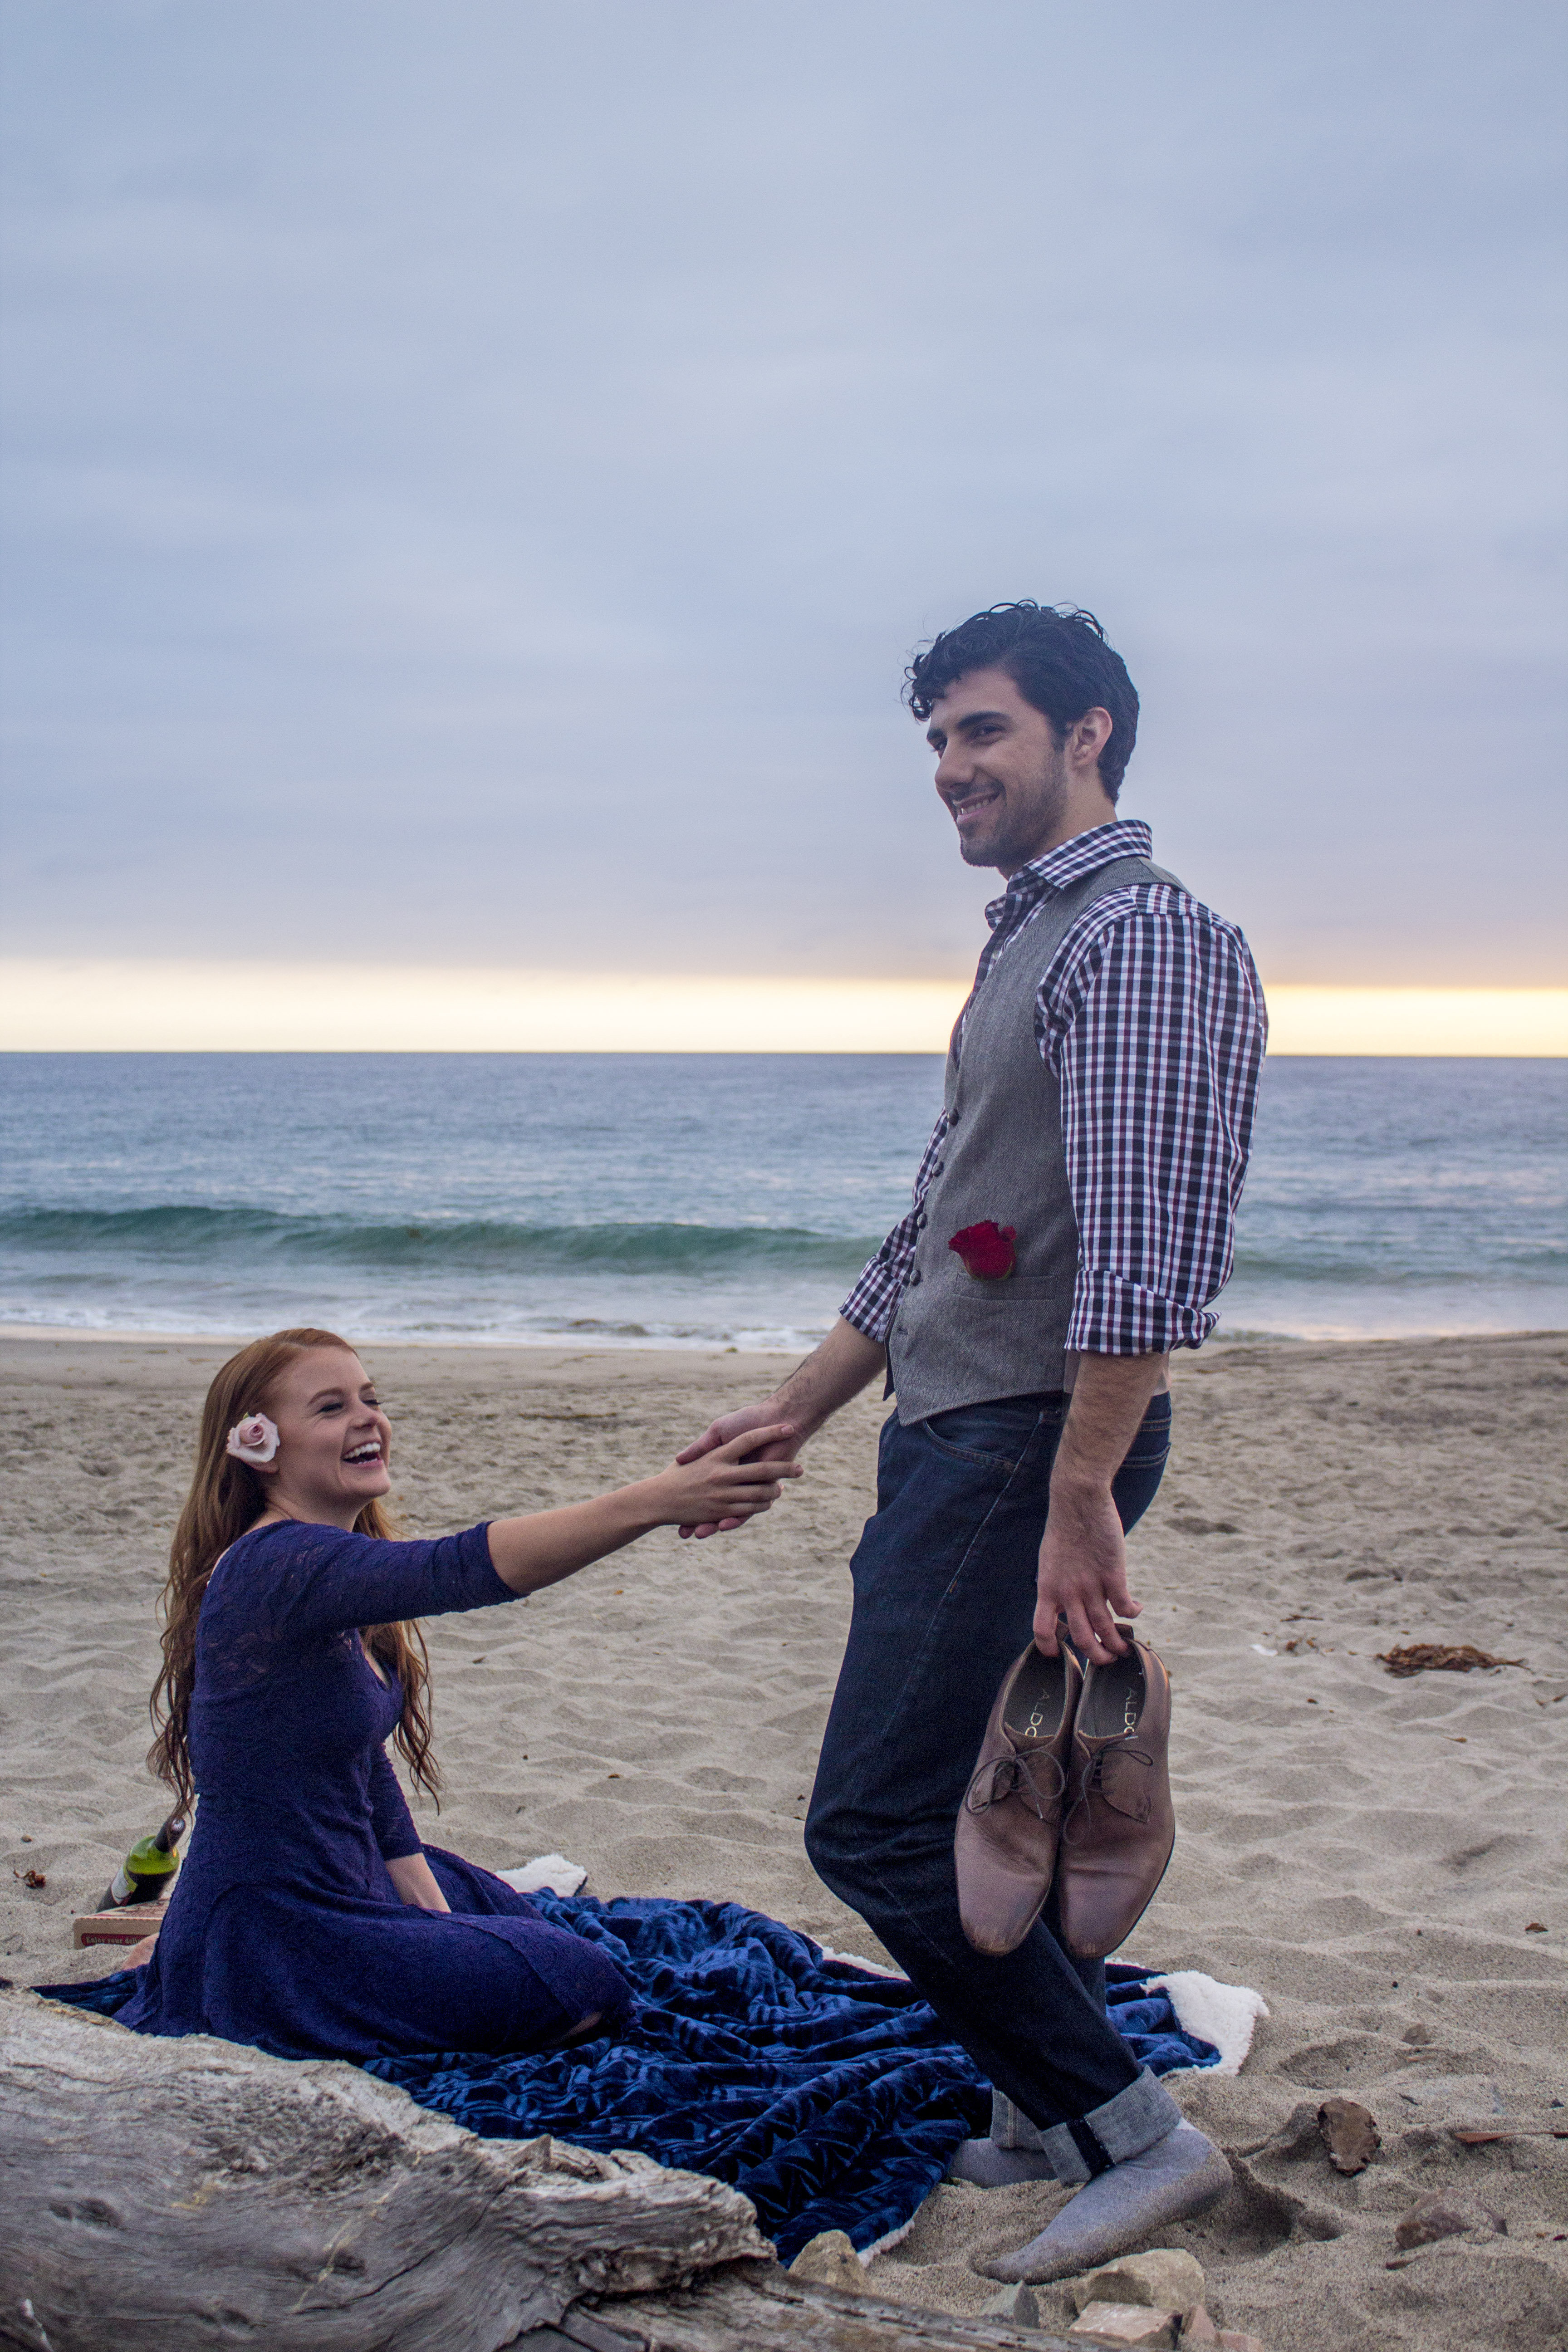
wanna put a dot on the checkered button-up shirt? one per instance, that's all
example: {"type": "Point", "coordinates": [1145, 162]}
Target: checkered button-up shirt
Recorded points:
{"type": "Point", "coordinates": [1152, 1017]}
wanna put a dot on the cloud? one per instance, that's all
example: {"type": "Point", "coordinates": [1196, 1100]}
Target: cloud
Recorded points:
{"type": "Point", "coordinates": [478, 471]}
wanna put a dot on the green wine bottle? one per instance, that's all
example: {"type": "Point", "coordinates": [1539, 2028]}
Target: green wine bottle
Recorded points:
{"type": "Point", "coordinates": [148, 1869]}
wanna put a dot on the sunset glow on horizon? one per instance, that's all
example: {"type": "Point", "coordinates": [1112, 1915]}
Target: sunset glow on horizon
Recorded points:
{"type": "Point", "coordinates": [62, 1004]}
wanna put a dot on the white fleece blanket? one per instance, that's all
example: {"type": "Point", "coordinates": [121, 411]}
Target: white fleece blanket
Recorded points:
{"type": "Point", "coordinates": [1225, 2014]}
{"type": "Point", "coordinates": [552, 1871]}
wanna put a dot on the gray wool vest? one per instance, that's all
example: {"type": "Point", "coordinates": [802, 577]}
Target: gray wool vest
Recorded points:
{"type": "Point", "coordinates": [957, 1340]}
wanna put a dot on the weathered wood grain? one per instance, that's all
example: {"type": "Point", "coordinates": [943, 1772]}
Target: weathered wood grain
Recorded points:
{"type": "Point", "coordinates": [747, 2308]}
{"type": "Point", "coordinates": [157, 2194]}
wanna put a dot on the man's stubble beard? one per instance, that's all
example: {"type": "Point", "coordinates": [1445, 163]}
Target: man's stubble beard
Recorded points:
{"type": "Point", "coordinates": [1023, 830]}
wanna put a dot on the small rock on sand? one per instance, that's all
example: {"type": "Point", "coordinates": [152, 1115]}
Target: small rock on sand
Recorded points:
{"type": "Point", "coordinates": [1019, 2304]}
{"type": "Point", "coordinates": [1165, 2279]}
{"type": "Point", "coordinates": [829, 2259]}
{"type": "Point", "coordinates": [1435, 2217]}
{"type": "Point", "coordinates": [1126, 2323]}
{"type": "Point", "coordinates": [1350, 2133]}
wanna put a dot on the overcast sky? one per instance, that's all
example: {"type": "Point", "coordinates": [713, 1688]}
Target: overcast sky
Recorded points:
{"type": "Point", "coordinates": [475, 472]}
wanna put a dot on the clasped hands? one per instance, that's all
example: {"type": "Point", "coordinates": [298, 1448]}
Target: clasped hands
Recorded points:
{"type": "Point", "coordinates": [733, 1472]}
{"type": "Point", "coordinates": [1083, 1554]}
{"type": "Point", "coordinates": [771, 1449]}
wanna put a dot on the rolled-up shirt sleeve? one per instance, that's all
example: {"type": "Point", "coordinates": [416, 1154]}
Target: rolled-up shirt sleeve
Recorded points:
{"type": "Point", "coordinates": [1151, 1016]}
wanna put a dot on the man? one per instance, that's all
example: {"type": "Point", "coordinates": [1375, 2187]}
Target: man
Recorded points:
{"type": "Point", "coordinates": [1097, 1112]}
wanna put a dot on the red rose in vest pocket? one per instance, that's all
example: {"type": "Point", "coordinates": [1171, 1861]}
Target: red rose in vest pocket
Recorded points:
{"type": "Point", "coordinates": [986, 1250]}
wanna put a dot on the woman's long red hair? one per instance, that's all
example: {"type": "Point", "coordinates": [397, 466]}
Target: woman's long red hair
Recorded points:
{"type": "Point", "coordinates": [227, 1496]}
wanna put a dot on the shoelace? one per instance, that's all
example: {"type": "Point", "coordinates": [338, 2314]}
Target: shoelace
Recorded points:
{"type": "Point", "coordinates": [1018, 1774]}
{"type": "Point", "coordinates": [1093, 1784]}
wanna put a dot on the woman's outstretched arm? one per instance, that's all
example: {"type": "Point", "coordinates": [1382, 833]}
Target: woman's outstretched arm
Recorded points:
{"type": "Point", "coordinates": [316, 1579]}
{"type": "Point", "coordinates": [527, 1554]}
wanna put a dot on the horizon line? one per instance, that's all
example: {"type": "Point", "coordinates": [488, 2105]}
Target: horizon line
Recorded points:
{"type": "Point", "coordinates": [212, 1005]}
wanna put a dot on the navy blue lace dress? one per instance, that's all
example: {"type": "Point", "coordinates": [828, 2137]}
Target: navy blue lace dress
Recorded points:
{"type": "Point", "coordinates": [284, 1928]}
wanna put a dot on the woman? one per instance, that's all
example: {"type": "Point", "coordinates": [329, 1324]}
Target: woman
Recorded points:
{"type": "Point", "coordinates": [308, 1917]}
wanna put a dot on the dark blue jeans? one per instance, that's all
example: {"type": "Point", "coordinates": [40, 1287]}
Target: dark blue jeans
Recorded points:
{"type": "Point", "coordinates": [944, 1601]}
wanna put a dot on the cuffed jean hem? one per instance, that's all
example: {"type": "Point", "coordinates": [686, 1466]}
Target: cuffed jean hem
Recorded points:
{"type": "Point", "coordinates": [1125, 2125]}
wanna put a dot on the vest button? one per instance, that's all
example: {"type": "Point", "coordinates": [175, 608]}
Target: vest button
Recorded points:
{"type": "Point", "coordinates": [920, 1219]}
{"type": "Point", "coordinates": [914, 1276]}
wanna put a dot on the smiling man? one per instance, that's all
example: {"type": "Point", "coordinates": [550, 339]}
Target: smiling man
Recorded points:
{"type": "Point", "coordinates": [1072, 1218]}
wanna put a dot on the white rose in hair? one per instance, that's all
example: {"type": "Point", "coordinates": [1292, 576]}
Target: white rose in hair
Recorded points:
{"type": "Point", "coordinates": [254, 1439]}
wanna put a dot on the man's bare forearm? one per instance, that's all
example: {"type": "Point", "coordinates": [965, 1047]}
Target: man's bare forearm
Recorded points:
{"type": "Point", "coordinates": [1083, 1560]}
{"type": "Point", "coordinates": [1110, 1399]}
{"type": "Point", "coordinates": [845, 1364]}
{"type": "Point", "coordinates": [829, 1377]}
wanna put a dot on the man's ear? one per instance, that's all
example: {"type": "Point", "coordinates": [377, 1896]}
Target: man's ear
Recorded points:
{"type": "Point", "coordinates": [1088, 737]}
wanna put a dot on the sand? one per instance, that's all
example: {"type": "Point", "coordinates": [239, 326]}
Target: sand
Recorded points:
{"type": "Point", "coordinates": [1371, 1854]}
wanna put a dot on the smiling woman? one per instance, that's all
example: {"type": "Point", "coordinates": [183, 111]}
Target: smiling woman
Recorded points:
{"type": "Point", "coordinates": [309, 1918]}
{"type": "Point", "coordinates": [322, 1427]}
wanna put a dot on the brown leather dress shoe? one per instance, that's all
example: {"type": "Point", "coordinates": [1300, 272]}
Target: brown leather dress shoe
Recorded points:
{"type": "Point", "coordinates": [1005, 1847]}
{"type": "Point", "coordinates": [1120, 1826]}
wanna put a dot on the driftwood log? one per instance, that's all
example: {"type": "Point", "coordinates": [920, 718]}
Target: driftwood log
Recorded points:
{"type": "Point", "coordinates": [156, 2195]}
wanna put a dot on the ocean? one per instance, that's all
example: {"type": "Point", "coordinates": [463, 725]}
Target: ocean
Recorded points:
{"type": "Point", "coordinates": [700, 1200]}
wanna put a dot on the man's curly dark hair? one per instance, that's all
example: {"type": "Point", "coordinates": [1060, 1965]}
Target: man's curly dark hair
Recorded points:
{"type": "Point", "coordinates": [1056, 657]}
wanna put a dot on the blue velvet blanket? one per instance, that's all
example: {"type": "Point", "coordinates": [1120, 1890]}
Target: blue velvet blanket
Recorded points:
{"type": "Point", "coordinates": [830, 2097]}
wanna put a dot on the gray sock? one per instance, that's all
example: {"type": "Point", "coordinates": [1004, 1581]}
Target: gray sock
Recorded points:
{"type": "Point", "coordinates": [1181, 2174]}
{"type": "Point", "coordinates": [984, 2165]}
